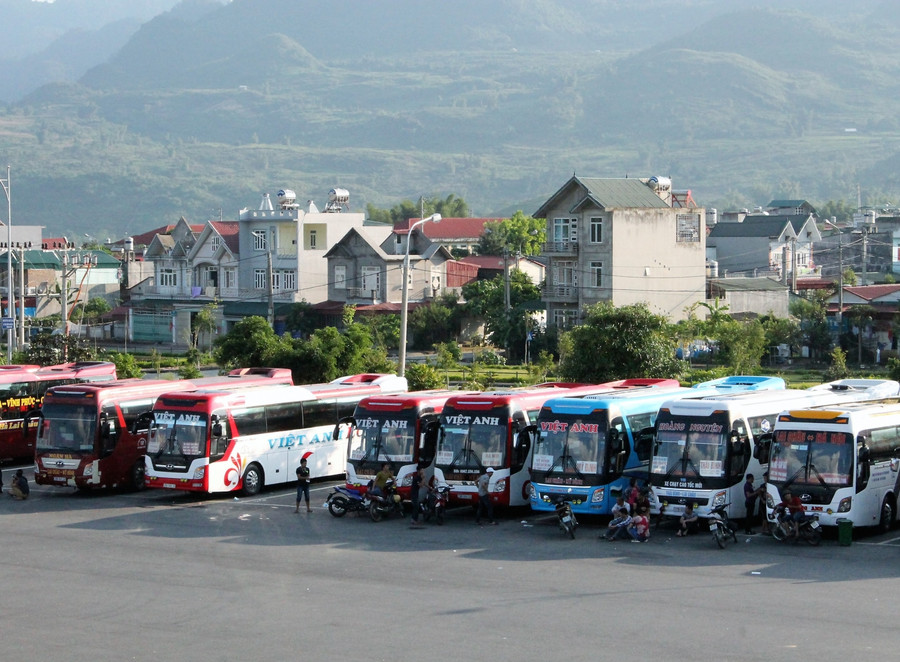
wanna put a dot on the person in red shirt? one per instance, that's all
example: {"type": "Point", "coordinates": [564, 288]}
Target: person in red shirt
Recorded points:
{"type": "Point", "coordinates": [792, 510]}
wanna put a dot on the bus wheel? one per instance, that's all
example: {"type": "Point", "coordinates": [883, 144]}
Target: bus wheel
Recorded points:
{"type": "Point", "coordinates": [137, 475]}
{"type": "Point", "coordinates": [887, 515]}
{"type": "Point", "coordinates": [253, 480]}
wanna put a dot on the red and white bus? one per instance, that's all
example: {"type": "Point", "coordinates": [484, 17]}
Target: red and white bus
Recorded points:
{"type": "Point", "coordinates": [93, 435]}
{"type": "Point", "coordinates": [22, 390]}
{"type": "Point", "coordinates": [400, 430]}
{"type": "Point", "coordinates": [215, 441]}
{"type": "Point", "coordinates": [491, 430]}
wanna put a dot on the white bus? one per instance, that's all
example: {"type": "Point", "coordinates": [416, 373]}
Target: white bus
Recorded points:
{"type": "Point", "coordinates": [704, 448]}
{"type": "Point", "coordinates": [843, 462]}
{"type": "Point", "coordinates": [218, 441]}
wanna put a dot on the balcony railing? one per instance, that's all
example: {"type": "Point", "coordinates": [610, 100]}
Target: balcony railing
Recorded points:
{"type": "Point", "coordinates": [561, 247]}
{"type": "Point", "coordinates": [560, 292]}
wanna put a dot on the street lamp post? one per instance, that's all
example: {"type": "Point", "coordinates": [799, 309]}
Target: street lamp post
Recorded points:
{"type": "Point", "coordinates": [840, 312]}
{"type": "Point", "coordinates": [404, 305]}
{"type": "Point", "coordinates": [10, 334]}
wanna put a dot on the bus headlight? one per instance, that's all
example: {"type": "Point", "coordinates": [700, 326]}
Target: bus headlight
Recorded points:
{"type": "Point", "coordinates": [844, 505]}
{"type": "Point", "coordinates": [500, 485]}
{"type": "Point", "coordinates": [770, 501]}
{"type": "Point", "coordinates": [88, 470]}
{"type": "Point", "coordinates": [597, 496]}
{"type": "Point", "coordinates": [719, 499]}
{"type": "Point", "coordinates": [407, 481]}
{"type": "Point", "coordinates": [199, 473]}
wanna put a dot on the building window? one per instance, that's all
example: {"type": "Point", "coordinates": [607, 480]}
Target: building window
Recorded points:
{"type": "Point", "coordinates": [290, 281]}
{"type": "Point", "coordinates": [259, 279]}
{"type": "Point", "coordinates": [561, 228]}
{"type": "Point", "coordinates": [312, 239]}
{"type": "Point", "coordinates": [168, 278]}
{"type": "Point", "coordinates": [260, 240]}
{"type": "Point", "coordinates": [564, 272]}
{"type": "Point", "coordinates": [216, 242]}
{"type": "Point", "coordinates": [230, 278]}
{"type": "Point", "coordinates": [596, 230]}
{"type": "Point", "coordinates": [212, 277]}
{"type": "Point", "coordinates": [596, 274]}
{"type": "Point", "coordinates": [564, 319]}
{"type": "Point", "coordinates": [340, 277]}
{"type": "Point", "coordinates": [687, 228]}
{"type": "Point", "coordinates": [276, 281]}
{"type": "Point", "coordinates": [371, 279]}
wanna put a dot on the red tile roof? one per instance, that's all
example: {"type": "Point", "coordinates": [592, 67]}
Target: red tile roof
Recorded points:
{"type": "Point", "coordinates": [448, 228]}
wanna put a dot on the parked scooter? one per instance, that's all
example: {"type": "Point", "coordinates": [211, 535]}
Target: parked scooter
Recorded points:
{"type": "Point", "coordinates": [808, 529]}
{"type": "Point", "coordinates": [565, 517]}
{"type": "Point", "coordinates": [436, 503]}
{"type": "Point", "coordinates": [346, 500]}
{"type": "Point", "coordinates": [720, 526]}
{"type": "Point", "coordinates": [381, 505]}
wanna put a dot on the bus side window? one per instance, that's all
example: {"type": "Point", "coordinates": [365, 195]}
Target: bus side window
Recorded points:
{"type": "Point", "coordinates": [522, 441]}
{"type": "Point", "coordinates": [218, 436]}
{"type": "Point", "coordinates": [862, 468]}
{"type": "Point", "coordinates": [108, 422]}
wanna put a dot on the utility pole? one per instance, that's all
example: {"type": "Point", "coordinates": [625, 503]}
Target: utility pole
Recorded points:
{"type": "Point", "coordinates": [64, 302]}
{"type": "Point", "coordinates": [506, 298]}
{"type": "Point", "coordinates": [11, 333]}
{"type": "Point", "coordinates": [270, 288]}
{"type": "Point", "coordinates": [22, 297]}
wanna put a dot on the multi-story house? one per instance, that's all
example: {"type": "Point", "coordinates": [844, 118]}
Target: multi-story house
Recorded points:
{"type": "Point", "coordinates": [625, 241]}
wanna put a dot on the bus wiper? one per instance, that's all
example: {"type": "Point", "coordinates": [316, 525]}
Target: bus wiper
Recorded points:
{"type": "Point", "coordinates": [818, 475]}
{"type": "Point", "coordinates": [374, 447]}
{"type": "Point", "coordinates": [564, 461]}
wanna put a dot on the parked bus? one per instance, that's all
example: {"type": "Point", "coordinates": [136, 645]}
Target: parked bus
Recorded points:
{"type": "Point", "coordinates": [399, 429]}
{"type": "Point", "coordinates": [215, 441]}
{"type": "Point", "coordinates": [843, 462]}
{"type": "Point", "coordinates": [704, 448]}
{"type": "Point", "coordinates": [491, 430]}
{"type": "Point", "coordinates": [90, 435]}
{"type": "Point", "coordinates": [589, 448]}
{"type": "Point", "coordinates": [22, 390]}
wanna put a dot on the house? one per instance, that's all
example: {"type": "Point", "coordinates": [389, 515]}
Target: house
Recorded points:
{"type": "Point", "coordinates": [758, 296]}
{"type": "Point", "coordinates": [881, 303]}
{"type": "Point", "coordinates": [625, 241]}
{"type": "Point", "coordinates": [764, 245]}
{"type": "Point", "coordinates": [458, 235]}
{"type": "Point", "coordinates": [366, 269]}
{"type": "Point", "coordinates": [491, 266]}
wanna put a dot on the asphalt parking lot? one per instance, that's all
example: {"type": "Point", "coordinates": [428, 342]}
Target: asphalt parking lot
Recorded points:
{"type": "Point", "coordinates": [163, 575]}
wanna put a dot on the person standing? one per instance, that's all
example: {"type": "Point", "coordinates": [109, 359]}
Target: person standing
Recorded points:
{"type": "Point", "coordinates": [763, 491]}
{"type": "Point", "coordinates": [484, 497]}
{"type": "Point", "coordinates": [19, 489]}
{"type": "Point", "coordinates": [751, 494]}
{"type": "Point", "coordinates": [418, 492]}
{"type": "Point", "coordinates": [302, 485]}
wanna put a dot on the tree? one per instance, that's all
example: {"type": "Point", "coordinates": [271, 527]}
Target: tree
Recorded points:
{"type": "Point", "coordinates": [251, 343]}
{"type": "Point", "coordinates": [437, 322]}
{"type": "Point", "coordinates": [618, 343]}
{"type": "Point", "coordinates": [126, 366]}
{"type": "Point", "coordinates": [486, 299]}
{"type": "Point", "coordinates": [423, 376]}
{"type": "Point", "coordinates": [451, 207]}
{"type": "Point", "coordinates": [51, 348]}
{"type": "Point", "coordinates": [203, 321]}
{"type": "Point", "coordinates": [518, 234]}
{"type": "Point", "coordinates": [90, 312]}
{"type": "Point", "coordinates": [301, 319]}
{"type": "Point", "coordinates": [742, 346]}
{"type": "Point", "coordinates": [813, 322]}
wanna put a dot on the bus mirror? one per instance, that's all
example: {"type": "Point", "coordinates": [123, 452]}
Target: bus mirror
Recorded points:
{"type": "Point", "coordinates": [142, 422]}
{"type": "Point", "coordinates": [520, 421]}
{"type": "Point", "coordinates": [621, 460]}
{"type": "Point", "coordinates": [763, 447]}
{"type": "Point", "coordinates": [614, 440]}
{"type": "Point", "coordinates": [105, 429]}
{"type": "Point", "coordinates": [348, 421]}
{"type": "Point", "coordinates": [217, 430]}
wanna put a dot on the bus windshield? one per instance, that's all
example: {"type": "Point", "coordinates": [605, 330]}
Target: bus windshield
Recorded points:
{"type": "Point", "coordinates": [811, 458]}
{"type": "Point", "coordinates": [470, 441]}
{"type": "Point", "coordinates": [691, 448]}
{"type": "Point", "coordinates": [569, 444]}
{"type": "Point", "coordinates": [177, 436]}
{"type": "Point", "coordinates": [67, 429]}
{"type": "Point", "coordinates": [382, 439]}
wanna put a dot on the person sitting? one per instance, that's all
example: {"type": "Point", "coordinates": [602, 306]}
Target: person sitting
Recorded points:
{"type": "Point", "coordinates": [640, 526]}
{"type": "Point", "coordinates": [688, 520]}
{"type": "Point", "coordinates": [791, 509]}
{"type": "Point", "coordinates": [19, 489]}
{"type": "Point", "coordinates": [381, 480]}
{"type": "Point", "coordinates": [618, 526]}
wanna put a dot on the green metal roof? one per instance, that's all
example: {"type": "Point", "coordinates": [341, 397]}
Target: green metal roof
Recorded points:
{"type": "Point", "coordinates": [622, 194]}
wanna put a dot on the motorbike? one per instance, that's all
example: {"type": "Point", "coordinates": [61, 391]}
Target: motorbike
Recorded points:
{"type": "Point", "coordinates": [808, 529]}
{"type": "Point", "coordinates": [346, 500]}
{"type": "Point", "coordinates": [565, 517]}
{"type": "Point", "coordinates": [436, 504]}
{"type": "Point", "coordinates": [382, 505]}
{"type": "Point", "coordinates": [720, 526]}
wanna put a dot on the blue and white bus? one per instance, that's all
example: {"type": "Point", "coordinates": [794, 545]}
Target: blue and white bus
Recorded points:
{"type": "Point", "coordinates": [704, 448]}
{"type": "Point", "coordinates": [589, 448]}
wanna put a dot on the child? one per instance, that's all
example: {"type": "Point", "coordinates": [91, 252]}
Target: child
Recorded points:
{"type": "Point", "coordinates": [640, 527]}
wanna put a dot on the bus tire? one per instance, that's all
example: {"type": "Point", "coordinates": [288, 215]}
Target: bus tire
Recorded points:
{"type": "Point", "coordinates": [137, 475]}
{"type": "Point", "coordinates": [253, 480]}
{"type": "Point", "coordinates": [888, 514]}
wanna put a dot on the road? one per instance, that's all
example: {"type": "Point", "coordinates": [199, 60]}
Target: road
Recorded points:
{"type": "Point", "coordinates": [163, 576]}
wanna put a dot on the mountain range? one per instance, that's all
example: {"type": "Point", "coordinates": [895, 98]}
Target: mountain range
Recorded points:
{"type": "Point", "coordinates": [198, 110]}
